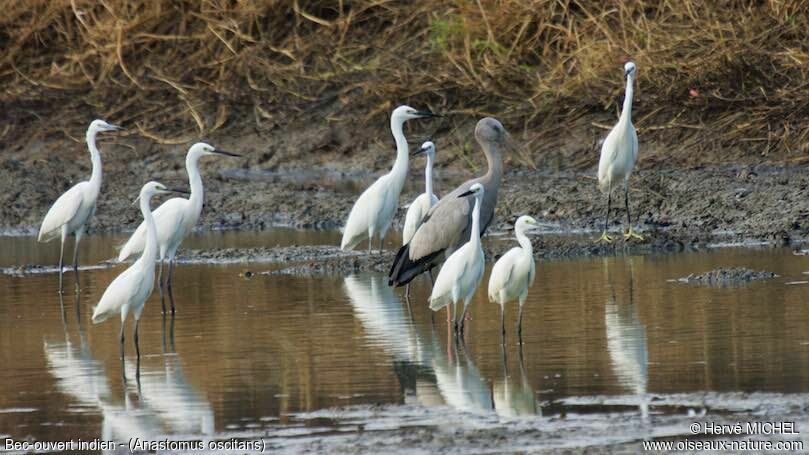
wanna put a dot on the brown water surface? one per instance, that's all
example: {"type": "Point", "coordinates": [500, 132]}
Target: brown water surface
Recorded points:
{"type": "Point", "coordinates": [251, 356]}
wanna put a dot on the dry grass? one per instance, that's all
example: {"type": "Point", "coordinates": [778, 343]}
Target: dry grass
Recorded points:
{"type": "Point", "coordinates": [712, 74]}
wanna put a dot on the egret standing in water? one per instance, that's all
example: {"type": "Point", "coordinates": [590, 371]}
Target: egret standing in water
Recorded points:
{"type": "Point", "coordinates": [514, 273]}
{"type": "Point", "coordinates": [129, 291]}
{"type": "Point", "coordinates": [174, 218]}
{"type": "Point", "coordinates": [421, 205]}
{"type": "Point", "coordinates": [461, 273]}
{"type": "Point", "coordinates": [618, 155]}
{"type": "Point", "coordinates": [74, 208]}
{"type": "Point", "coordinates": [373, 212]}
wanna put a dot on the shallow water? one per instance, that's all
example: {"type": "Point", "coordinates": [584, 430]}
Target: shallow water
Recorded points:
{"type": "Point", "coordinates": [271, 356]}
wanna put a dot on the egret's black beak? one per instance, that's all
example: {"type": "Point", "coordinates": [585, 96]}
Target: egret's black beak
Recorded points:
{"type": "Point", "coordinates": [420, 151]}
{"type": "Point", "coordinates": [223, 152]}
{"type": "Point", "coordinates": [116, 127]}
{"type": "Point", "coordinates": [468, 193]}
{"type": "Point", "coordinates": [426, 114]}
{"type": "Point", "coordinates": [177, 190]}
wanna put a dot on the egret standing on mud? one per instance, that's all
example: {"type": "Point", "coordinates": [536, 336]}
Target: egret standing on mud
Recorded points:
{"type": "Point", "coordinates": [424, 202]}
{"type": "Point", "coordinates": [448, 224]}
{"type": "Point", "coordinates": [174, 218]}
{"type": "Point", "coordinates": [373, 212]}
{"type": "Point", "coordinates": [618, 155]}
{"type": "Point", "coordinates": [71, 212]}
{"type": "Point", "coordinates": [514, 273]}
{"type": "Point", "coordinates": [129, 291]}
{"type": "Point", "coordinates": [461, 273]}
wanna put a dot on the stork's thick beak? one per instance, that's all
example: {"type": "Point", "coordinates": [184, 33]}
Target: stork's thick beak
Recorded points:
{"type": "Point", "coordinates": [426, 114]}
{"type": "Point", "coordinates": [223, 152]}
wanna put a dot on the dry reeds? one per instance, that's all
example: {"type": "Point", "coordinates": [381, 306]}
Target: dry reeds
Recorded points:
{"type": "Point", "coordinates": [724, 74]}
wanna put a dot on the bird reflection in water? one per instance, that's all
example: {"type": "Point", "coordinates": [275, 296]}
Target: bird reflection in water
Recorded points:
{"type": "Point", "coordinates": [431, 373]}
{"type": "Point", "coordinates": [514, 397]}
{"type": "Point", "coordinates": [626, 338]}
{"type": "Point", "coordinates": [160, 403]}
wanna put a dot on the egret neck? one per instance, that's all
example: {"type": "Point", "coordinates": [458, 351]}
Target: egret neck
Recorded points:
{"type": "Point", "coordinates": [626, 113]}
{"type": "Point", "coordinates": [95, 156]}
{"type": "Point", "coordinates": [399, 171]}
{"type": "Point", "coordinates": [475, 234]}
{"type": "Point", "coordinates": [428, 179]}
{"type": "Point", "coordinates": [525, 242]}
{"type": "Point", "coordinates": [194, 181]}
{"type": "Point", "coordinates": [150, 250]}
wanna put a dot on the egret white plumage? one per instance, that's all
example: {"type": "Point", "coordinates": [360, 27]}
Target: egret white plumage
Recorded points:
{"type": "Point", "coordinates": [373, 211]}
{"type": "Point", "coordinates": [514, 273]}
{"type": "Point", "coordinates": [421, 205]}
{"type": "Point", "coordinates": [462, 271]}
{"type": "Point", "coordinates": [129, 291]}
{"type": "Point", "coordinates": [74, 208]}
{"type": "Point", "coordinates": [176, 217]}
{"type": "Point", "coordinates": [618, 155]}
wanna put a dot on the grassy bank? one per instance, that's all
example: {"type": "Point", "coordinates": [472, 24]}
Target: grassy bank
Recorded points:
{"type": "Point", "coordinates": [719, 81]}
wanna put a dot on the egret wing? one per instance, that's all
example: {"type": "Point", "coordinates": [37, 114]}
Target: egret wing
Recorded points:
{"type": "Point", "coordinates": [501, 273]}
{"type": "Point", "coordinates": [61, 212]}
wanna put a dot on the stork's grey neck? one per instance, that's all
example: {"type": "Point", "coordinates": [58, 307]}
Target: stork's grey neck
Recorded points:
{"type": "Point", "coordinates": [95, 157]}
{"type": "Point", "coordinates": [494, 162]}
{"type": "Point", "coordinates": [626, 112]}
{"type": "Point", "coordinates": [401, 164]}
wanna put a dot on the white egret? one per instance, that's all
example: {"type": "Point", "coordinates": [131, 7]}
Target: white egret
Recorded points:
{"type": "Point", "coordinates": [74, 208]}
{"type": "Point", "coordinates": [461, 273]}
{"type": "Point", "coordinates": [514, 273]}
{"type": "Point", "coordinates": [423, 203]}
{"type": "Point", "coordinates": [373, 212]}
{"type": "Point", "coordinates": [175, 218]}
{"type": "Point", "coordinates": [618, 155]}
{"type": "Point", "coordinates": [129, 290]}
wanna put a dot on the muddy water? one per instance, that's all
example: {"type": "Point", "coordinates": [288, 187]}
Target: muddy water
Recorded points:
{"type": "Point", "coordinates": [263, 357]}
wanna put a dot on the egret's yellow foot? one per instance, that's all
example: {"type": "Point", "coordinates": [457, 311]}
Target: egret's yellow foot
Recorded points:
{"type": "Point", "coordinates": [604, 238]}
{"type": "Point", "coordinates": [632, 235]}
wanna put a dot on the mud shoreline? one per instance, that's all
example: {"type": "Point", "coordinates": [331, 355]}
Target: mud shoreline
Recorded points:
{"type": "Point", "coordinates": [675, 209]}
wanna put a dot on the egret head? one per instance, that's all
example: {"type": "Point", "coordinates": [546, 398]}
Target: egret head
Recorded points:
{"type": "Point", "coordinates": [491, 130]}
{"type": "Point", "coordinates": [152, 188]}
{"type": "Point", "coordinates": [629, 69]}
{"type": "Point", "coordinates": [404, 113]}
{"type": "Point", "coordinates": [97, 126]}
{"type": "Point", "coordinates": [476, 189]}
{"type": "Point", "coordinates": [427, 148]}
{"type": "Point", "coordinates": [203, 149]}
{"type": "Point", "coordinates": [524, 223]}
